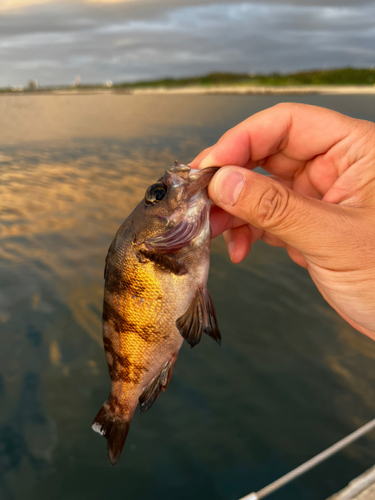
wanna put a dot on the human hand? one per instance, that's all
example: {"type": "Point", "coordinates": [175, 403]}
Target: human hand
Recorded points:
{"type": "Point", "coordinates": [319, 203]}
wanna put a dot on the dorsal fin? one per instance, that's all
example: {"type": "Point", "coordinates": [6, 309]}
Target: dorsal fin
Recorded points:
{"type": "Point", "coordinates": [106, 259]}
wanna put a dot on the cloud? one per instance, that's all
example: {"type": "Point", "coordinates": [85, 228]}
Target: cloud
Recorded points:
{"type": "Point", "coordinates": [17, 4]}
{"type": "Point", "coordinates": [21, 4]}
{"type": "Point", "coordinates": [154, 38]}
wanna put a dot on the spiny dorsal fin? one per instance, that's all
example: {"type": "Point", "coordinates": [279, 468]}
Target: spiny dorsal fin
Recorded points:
{"type": "Point", "coordinates": [157, 384]}
{"type": "Point", "coordinates": [200, 317]}
{"type": "Point", "coordinates": [106, 259]}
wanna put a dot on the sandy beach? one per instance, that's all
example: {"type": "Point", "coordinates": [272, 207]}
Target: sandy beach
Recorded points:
{"type": "Point", "coordinates": [212, 89]}
{"type": "Point", "coordinates": [247, 89]}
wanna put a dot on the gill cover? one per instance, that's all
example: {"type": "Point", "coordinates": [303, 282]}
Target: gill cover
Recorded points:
{"type": "Point", "coordinates": [187, 229]}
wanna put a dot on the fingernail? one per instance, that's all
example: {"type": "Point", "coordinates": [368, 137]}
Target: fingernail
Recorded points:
{"type": "Point", "coordinates": [207, 162]}
{"type": "Point", "coordinates": [228, 185]}
{"type": "Point", "coordinates": [231, 248]}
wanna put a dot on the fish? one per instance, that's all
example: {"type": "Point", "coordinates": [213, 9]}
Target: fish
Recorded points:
{"type": "Point", "coordinates": [155, 296]}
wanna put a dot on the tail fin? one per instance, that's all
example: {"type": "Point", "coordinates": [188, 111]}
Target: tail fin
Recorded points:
{"type": "Point", "coordinates": [115, 428]}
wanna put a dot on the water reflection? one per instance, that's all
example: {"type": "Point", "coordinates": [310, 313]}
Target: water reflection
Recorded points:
{"type": "Point", "coordinates": [290, 379]}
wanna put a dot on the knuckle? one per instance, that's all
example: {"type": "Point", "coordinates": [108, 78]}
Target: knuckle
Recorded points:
{"type": "Point", "coordinates": [272, 206]}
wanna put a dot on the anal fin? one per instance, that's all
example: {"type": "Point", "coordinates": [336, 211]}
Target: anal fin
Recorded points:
{"type": "Point", "coordinates": [157, 384]}
{"type": "Point", "coordinates": [200, 317]}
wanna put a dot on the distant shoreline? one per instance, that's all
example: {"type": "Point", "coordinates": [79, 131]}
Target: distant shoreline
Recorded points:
{"type": "Point", "coordinates": [252, 89]}
{"type": "Point", "coordinates": [316, 81]}
{"type": "Point", "coordinates": [211, 89]}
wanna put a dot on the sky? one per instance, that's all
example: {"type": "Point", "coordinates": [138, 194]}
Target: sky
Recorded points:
{"type": "Point", "coordinates": [54, 41]}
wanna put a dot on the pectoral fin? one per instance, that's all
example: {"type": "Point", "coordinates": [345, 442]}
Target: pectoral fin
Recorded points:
{"type": "Point", "coordinates": [200, 317]}
{"type": "Point", "coordinates": [179, 236]}
{"type": "Point", "coordinates": [157, 384]}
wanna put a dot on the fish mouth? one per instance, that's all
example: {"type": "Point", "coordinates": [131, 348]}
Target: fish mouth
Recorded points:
{"type": "Point", "coordinates": [199, 179]}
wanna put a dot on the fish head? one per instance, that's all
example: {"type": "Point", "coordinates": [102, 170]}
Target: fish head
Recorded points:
{"type": "Point", "coordinates": [177, 199]}
{"type": "Point", "coordinates": [184, 188]}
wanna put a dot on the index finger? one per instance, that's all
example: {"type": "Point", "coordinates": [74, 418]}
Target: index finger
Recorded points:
{"type": "Point", "coordinates": [298, 131]}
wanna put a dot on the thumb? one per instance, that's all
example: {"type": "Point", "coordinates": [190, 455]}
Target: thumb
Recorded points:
{"type": "Point", "coordinates": [311, 226]}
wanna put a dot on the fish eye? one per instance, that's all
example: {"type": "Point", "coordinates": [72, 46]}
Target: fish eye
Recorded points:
{"type": "Point", "coordinates": [155, 193]}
